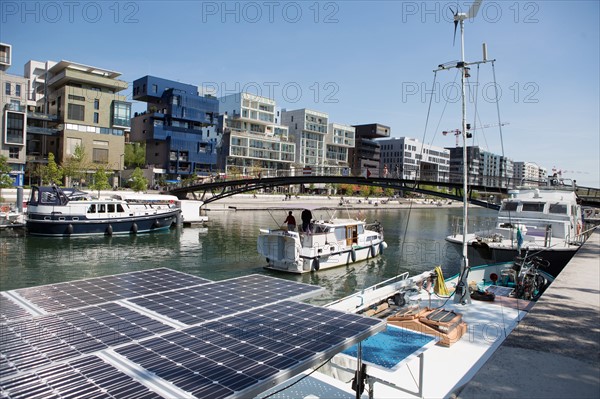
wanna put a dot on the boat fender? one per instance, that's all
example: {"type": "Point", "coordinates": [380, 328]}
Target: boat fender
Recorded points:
{"type": "Point", "coordinates": [373, 250]}
{"type": "Point", "coordinates": [381, 248]}
{"type": "Point", "coordinates": [316, 265]}
{"type": "Point", "coordinates": [134, 228]}
{"type": "Point", "coordinates": [156, 224]}
{"type": "Point", "coordinates": [109, 230]}
{"type": "Point", "coordinates": [70, 229]}
{"type": "Point", "coordinates": [353, 255]}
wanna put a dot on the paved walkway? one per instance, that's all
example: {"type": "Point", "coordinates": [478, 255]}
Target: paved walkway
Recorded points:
{"type": "Point", "coordinates": [555, 350]}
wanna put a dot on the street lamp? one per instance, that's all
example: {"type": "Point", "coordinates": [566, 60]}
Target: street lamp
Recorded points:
{"type": "Point", "coordinates": [121, 164]}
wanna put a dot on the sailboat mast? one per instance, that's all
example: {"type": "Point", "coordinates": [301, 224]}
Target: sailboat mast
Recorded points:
{"type": "Point", "coordinates": [464, 135]}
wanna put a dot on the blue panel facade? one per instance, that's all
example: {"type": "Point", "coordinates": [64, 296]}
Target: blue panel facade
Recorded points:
{"type": "Point", "coordinates": [181, 118]}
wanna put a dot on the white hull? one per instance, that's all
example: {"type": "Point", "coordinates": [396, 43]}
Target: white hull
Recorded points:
{"type": "Point", "coordinates": [337, 243]}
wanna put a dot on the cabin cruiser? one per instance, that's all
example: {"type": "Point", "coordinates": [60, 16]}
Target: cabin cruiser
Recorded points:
{"type": "Point", "coordinates": [542, 221]}
{"type": "Point", "coordinates": [328, 243]}
{"type": "Point", "coordinates": [54, 212]}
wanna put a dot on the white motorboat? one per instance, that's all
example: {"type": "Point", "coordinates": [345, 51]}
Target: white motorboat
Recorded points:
{"type": "Point", "coordinates": [541, 221]}
{"type": "Point", "coordinates": [330, 242]}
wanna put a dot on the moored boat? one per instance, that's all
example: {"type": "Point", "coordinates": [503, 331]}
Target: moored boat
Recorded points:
{"type": "Point", "coordinates": [543, 221]}
{"type": "Point", "coordinates": [52, 212]}
{"type": "Point", "coordinates": [329, 242]}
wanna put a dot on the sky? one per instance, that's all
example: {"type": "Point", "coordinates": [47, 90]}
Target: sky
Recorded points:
{"type": "Point", "coordinates": [359, 61]}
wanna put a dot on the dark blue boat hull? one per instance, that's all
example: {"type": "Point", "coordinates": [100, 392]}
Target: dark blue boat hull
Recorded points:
{"type": "Point", "coordinates": [60, 226]}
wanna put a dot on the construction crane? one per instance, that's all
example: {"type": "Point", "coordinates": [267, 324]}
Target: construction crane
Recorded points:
{"type": "Point", "coordinates": [457, 132]}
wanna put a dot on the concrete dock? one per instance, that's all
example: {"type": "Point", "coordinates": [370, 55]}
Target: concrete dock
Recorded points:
{"type": "Point", "coordinates": [555, 350]}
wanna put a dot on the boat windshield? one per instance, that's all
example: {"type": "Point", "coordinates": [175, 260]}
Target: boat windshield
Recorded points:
{"type": "Point", "coordinates": [560, 209]}
{"type": "Point", "coordinates": [533, 207]}
{"type": "Point", "coordinates": [510, 206]}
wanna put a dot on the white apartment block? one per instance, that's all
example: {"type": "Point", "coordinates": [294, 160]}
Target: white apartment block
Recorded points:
{"type": "Point", "coordinates": [407, 158]}
{"type": "Point", "coordinates": [251, 139]}
{"type": "Point", "coordinates": [529, 172]}
{"type": "Point", "coordinates": [338, 140]}
{"type": "Point", "coordinates": [308, 129]}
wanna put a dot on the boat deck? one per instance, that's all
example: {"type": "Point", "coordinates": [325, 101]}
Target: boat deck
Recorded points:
{"type": "Point", "coordinates": [445, 368]}
{"type": "Point", "coordinates": [555, 351]}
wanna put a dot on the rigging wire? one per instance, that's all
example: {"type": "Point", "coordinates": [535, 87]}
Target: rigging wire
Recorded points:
{"type": "Point", "coordinates": [498, 107]}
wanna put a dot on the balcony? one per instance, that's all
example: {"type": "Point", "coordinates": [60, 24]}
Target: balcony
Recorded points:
{"type": "Point", "coordinates": [46, 131]}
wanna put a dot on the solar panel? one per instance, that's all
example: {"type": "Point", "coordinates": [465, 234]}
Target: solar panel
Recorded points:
{"type": "Point", "coordinates": [10, 310]}
{"type": "Point", "coordinates": [223, 298]}
{"type": "Point", "coordinates": [232, 338]}
{"type": "Point", "coordinates": [57, 297]}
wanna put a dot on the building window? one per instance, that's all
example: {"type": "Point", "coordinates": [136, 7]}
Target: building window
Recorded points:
{"type": "Point", "coordinates": [13, 152]}
{"type": "Point", "coordinates": [7, 89]}
{"type": "Point", "coordinates": [76, 112]}
{"type": "Point", "coordinates": [72, 144]}
{"type": "Point", "coordinates": [96, 117]}
{"type": "Point", "coordinates": [76, 98]}
{"type": "Point", "coordinates": [154, 89]}
{"type": "Point", "coordinates": [121, 114]}
{"type": "Point", "coordinates": [96, 104]}
{"type": "Point", "coordinates": [15, 128]}
{"type": "Point", "coordinates": [100, 155]}
{"type": "Point", "coordinates": [18, 90]}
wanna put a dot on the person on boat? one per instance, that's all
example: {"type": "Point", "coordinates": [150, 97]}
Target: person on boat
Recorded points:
{"type": "Point", "coordinates": [306, 218]}
{"type": "Point", "coordinates": [291, 222]}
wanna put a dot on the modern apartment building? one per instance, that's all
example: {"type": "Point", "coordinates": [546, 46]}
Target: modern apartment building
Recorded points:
{"type": "Point", "coordinates": [251, 140]}
{"type": "Point", "coordinates": [178, 127]}
{"type": "Point", "coordinates": [483, 167]}
{"type": "Point", "coordinates": [90, 112]}
{"type": "Point", "coordinates": [13, 123]}
{"type": "Point", "coordinates": [529, 172]}
{"type": "Point", "coordinates": [367, 152]}
{"type": "Point", "coordinates": [308, 129]}
{"type": "Point", "coordinates": [338, 141]}
{"type": "Point", "coordinates": [407, 158]}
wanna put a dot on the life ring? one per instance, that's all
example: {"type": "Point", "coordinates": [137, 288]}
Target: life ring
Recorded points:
{"type": "Point", "coordinates": [353, 255]}
{"type": "Point", "coordinates": [315, 264]}
{"type": "Point", "coordinates": [134, 228]}
{"type": "Point", "coordinates": [109, 230]}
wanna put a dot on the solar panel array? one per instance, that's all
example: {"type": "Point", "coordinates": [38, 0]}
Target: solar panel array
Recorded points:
{"type": "Point", "coordinates": [168, 334]}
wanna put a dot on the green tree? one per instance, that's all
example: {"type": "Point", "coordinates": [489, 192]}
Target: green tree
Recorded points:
{"type": "Point", "coordinates": [388, 192]}
{"type": "Point", "coordinates": [135, 154]}
{"type": "Point", "coordinates": [52, 172]}
{"type": "Point", "coordinates": [5, 179]}
{"type": "Point", "coordinates": [365, 191]}
{"type": "Point", "coordinates": [75, 165]}
{"type": "Point", "coordinates": [138, 181]}
{"type": "Point", "coordinates": [100, 180]}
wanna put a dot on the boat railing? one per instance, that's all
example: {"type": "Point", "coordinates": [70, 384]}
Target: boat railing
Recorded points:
{"type": "Point", "coordinates": [393, 280]}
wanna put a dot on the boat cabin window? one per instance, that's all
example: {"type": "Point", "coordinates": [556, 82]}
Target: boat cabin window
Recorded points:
{"type": "Point", "coordinates": [560, 209]}
{"type": "Point", "coordinates": [111, 208]}
{"type": "Point", "coordinates": [361, 229]}
{"type": "Point", "coordinates": [92, 209]}
{"type": "Point", "coordinates": [510, 206]}
{"type": "Point", "coordinates": [102, 208]}
{"type": "Point", "coordinates": [120, 208]}
{"type": "Point", "coordinates": [533, 207]}
{"type": "Point", "coordinates": [340, 233]}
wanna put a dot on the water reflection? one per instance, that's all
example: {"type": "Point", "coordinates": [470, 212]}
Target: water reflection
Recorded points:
{"type": "Point", "coordinates": [227, 248]}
